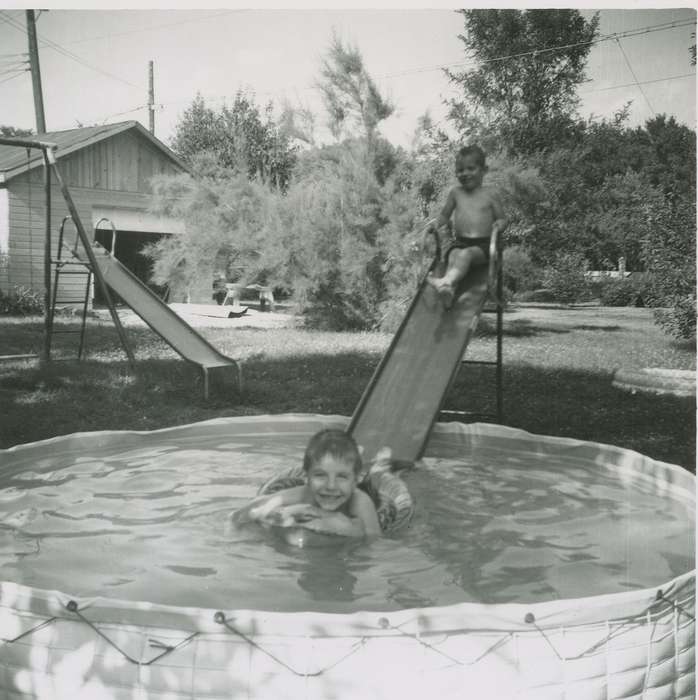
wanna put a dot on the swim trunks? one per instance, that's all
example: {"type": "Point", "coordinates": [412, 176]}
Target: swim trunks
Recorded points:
{"type": "Point", "coordinates": [481, 242]}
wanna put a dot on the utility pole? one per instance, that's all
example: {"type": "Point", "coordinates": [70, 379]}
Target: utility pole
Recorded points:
{"type": "Point", "coordinates": [36, 73]}
{"type": "Point", "coordinates": [151, 98]}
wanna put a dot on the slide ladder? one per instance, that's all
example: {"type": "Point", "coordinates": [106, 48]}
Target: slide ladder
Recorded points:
{"type": "Point", "coordinates": [70, 266]}
{"type": "Point", "coordinates": [403, 398]}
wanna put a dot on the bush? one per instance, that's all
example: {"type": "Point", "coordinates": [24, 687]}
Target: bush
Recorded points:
{"type": "Point", "coordinates": [669, 255]}
{"type": "Point", "coordinates": [521, 274]}
{"type": "Point", "coordinates": [619, 292]}
{"type": "Point", "coordinates": [21, 301]}
{"type": "Point", "coordinates": [679, 321]}
{"type": "Point", "coordinates": [537, 296]}
{"type": "Point", "coordinates": [565, 278]}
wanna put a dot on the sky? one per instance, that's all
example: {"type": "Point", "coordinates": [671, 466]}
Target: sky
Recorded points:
{"type": "Point", "coordinates": [94, 63]}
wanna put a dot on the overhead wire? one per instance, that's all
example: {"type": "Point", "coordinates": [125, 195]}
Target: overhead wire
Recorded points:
{"type": "Point", "coordinates": [156, 27]}
{"type": "Point", "coordinates": [607, 37]}
{"type": "Point", "coordinates": [536, 52]}
{"type": "Point", "coordinates": [16, 75]}
{"type": "Point", "coordinates": [641, 82]}
{"type": "Point", "coordinates": [664, 26]}
{"type": "Point", "coordinates": [632, 72]}
{"type": "Point", "coordinates": [48, 43]}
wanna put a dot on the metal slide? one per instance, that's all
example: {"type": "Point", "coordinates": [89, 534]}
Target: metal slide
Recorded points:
{"type": "Point", "coordinates": [403, 398]}
{"type": "Point", "coordinates": [165, 322]}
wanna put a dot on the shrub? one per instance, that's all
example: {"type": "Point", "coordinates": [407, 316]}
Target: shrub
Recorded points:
{"type": "Point", "coordinates": [679, 321]}
{"type": "Point", "coordinates": [538, 296]}
{"type": "Point", "coordinates": [565, 278]}
{"type": "Point", "coordinates": [669, 256]}
{"type": "Point", "coordinates": [21, 301]}
{"type": "Point", "coordinates": [521, 274]}
{"type": "Point", "coordinates": [618, 292]}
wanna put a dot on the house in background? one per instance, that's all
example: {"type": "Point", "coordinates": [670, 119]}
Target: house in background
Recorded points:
{"type": "Point", "coordinates": [107, 170]}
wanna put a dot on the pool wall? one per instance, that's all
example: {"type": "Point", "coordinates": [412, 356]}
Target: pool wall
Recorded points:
{"type": "Point", "coordinates": [633, 645]}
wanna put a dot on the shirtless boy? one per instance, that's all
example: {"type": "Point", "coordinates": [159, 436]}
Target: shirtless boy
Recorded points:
{"type": "Point", "coordinates": [330, 502]}
{"type": "Point", "coordinates": [477, 214]}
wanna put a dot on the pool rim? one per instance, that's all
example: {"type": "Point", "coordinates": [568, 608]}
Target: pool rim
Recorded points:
{"type": "Point", "coordinates": [514, 617]}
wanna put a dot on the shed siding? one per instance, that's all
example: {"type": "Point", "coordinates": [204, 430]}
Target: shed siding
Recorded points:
{"type": "Point", "coordinates": [4, 237]}
{"type": "Point", "coordinates": [123, 163]}
{"type": "Point", "coordinates": [26, 246]}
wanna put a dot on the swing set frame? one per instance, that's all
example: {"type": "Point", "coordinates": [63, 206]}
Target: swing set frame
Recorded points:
{"type": "Point", "coordinates": [49, 161]}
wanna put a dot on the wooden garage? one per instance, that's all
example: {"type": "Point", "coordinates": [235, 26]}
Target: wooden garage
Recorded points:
{"type": "Point", "coordinates": [108, 171]}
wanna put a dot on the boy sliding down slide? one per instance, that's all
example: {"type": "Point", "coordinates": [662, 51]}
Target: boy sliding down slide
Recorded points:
{"type": "Point", "coordinates": [329, 502]}
{"type": "Point", "coordinates": [477, 214]}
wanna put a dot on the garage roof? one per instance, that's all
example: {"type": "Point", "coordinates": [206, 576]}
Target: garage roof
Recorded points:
{"type": "Point", "coordinates": [14, 160]}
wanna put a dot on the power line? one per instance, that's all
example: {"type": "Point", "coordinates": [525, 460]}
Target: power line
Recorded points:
{"type": "Point", "coordinates": [64, 52]}
{"type": "Point", "coordinates": [13, 76]}
{"type": "Point", "coordinates": [535, 52]}
{"type": "Point", "coordinates": [156, 27]}
{"type": "Point", "coordinates": [606, 37]}
{"type": "Point", "coordinates": [627, 61]}
{"type": "Point", "coordinates": [642, 82]}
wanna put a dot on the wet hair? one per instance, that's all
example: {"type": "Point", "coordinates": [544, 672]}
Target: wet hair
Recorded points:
{"type": "Point", "coordinates": [474, 151]}
{"type": "Point", "coordinates": [332, 442]}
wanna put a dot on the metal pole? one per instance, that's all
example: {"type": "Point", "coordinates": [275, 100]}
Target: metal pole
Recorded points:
{"type": "Point", "coordinates": [91, 257]}
{"type": "Point", "coordinates": [151, 98]}
{"type": "Point", "coordinates": [47, 262]}
{"type": "Point", "coordinates": [500, 314]}
{"type": "Point", "coordinates": [36, 73]}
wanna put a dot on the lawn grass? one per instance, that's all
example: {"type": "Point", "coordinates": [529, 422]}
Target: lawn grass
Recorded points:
{"type": "Point", "coordinates": [558, 363]}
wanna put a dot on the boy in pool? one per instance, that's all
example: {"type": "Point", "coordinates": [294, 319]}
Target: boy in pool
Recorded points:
{"type": "Point", "coordinates": [329, 501]}
{"type": "Point", "coordinates": [477, 214]}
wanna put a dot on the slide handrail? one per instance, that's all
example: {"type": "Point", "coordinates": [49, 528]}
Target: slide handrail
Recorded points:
{"type": "Point", "coordinates": [112, 252]}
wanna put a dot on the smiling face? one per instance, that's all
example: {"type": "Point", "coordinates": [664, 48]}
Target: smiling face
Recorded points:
{"type": "Point", "coordinates": [469, 171]}
{"type": "Point", "coordinates": [331, 482]}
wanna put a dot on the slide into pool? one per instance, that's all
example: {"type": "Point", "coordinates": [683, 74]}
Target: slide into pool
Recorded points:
{"type": "Point", "coordinates": [165, 322]}
{"type": "Point", "coordinates": [403, 398]}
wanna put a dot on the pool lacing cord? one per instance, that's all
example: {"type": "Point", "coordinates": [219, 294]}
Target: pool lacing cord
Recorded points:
{"type": "Point", "coordinates": [383, 622]}
{"type": "Point", "coordinates": [72, 606]}
{"type": "Point", "coordinates": [659, 598]}
{"type": "Point", "coordinates": [29, 631]}
{"type": "Point", "coordinates": [220, 618]}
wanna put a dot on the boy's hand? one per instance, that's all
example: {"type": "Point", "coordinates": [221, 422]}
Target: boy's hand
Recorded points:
{"type": "Point", "coordinates": [430, 244]}
{"type": "Point", "coordinates": [297, 513]}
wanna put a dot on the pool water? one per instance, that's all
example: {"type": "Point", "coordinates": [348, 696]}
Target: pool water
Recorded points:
{"type": "Point", "coordinates": [152, 523]}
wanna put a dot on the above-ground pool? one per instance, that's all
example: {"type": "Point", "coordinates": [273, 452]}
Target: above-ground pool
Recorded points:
{"type": "Point", "coordinates": [534, 567]}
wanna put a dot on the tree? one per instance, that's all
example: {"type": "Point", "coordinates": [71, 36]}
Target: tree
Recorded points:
{"type": "Point", "coordinates": [230, 227]}
{"type": "Point", "coordinates": [351, 97]}
{"type": "Point", "coordinates": [522, 91]}
{"type": "Point", "coordinates": [329, 225]}
{"type": "Point", "coordinates": [239, 137]}
{"type": "Point", "coordinates": [15, 132]}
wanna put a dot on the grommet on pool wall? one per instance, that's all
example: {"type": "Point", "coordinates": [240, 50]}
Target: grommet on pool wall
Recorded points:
{"type": "Point", "coordinates": [604, 646]}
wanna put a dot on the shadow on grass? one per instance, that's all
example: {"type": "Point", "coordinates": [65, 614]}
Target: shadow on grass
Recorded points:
{"type": "Point", "coordinates": [517, 328]}
{"type": "Point", "coordinates": [41, 402]}
{"type": "Point", "coordinates": [588, 327]}
{"type": "Point", "coordinates": [583, 404]}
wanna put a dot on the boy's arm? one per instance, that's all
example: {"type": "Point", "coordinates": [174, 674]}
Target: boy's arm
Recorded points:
{"type": "Point", "coordinates": [262, 506]}
{"type": "Point", "coordinates": [444, 216]}
{"type": "Point", "coordinates": [362, 521]}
